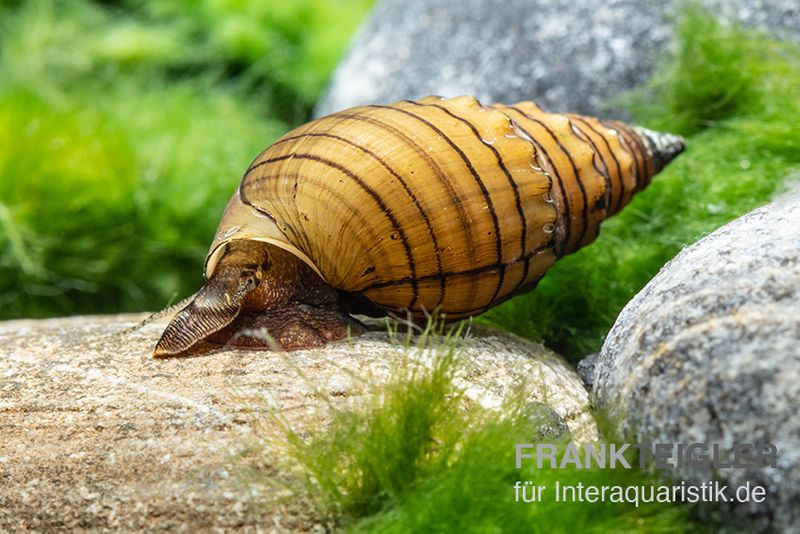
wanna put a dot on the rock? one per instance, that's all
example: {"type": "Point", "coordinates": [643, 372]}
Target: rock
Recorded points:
{"type": "Point", "coordinates": [586, 369]}
{"type": "Point", "coordinates": [96, 434]}
{"type": "Point", "coordinates": [709, 351]}
{"type": "Point", "coordinates": [567, 56]}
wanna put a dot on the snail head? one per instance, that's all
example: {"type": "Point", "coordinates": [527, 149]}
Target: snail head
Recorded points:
{"type": "Point", "coordinates": [233, 286]}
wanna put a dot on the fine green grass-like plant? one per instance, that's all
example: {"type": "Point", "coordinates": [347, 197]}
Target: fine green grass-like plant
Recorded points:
{"type": "Point", "coordinates": [281, 52]}
{"type": "Point", "coordinates": [125, 128]}
{"type": "Point", "coordinates": [367, 460]}
{"type": "Point", "coordinates": [734, 93]}
{"type": "Point", "coordinates": [417, 455]}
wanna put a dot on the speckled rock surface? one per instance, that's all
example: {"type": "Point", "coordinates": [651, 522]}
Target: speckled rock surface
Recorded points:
{"type": "Point", "coordinates": [566, 55]}
{"type": "Point", "coordinates": [709, 351]}
{"type": "Point", "coordinates": [97, 434]}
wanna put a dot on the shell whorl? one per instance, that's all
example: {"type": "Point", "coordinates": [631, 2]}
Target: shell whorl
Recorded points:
{"type": "Point", "coordinates": [440, 203]}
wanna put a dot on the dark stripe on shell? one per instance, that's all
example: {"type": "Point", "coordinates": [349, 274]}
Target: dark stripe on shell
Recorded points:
{"type": "Point", "coordinates": [468, 272]}
{"type": "Point", "coordinates": [367, 189]}
{"type": "Point", "coordinates": [472, 170]}
{"type": "Point", "coordinates": [583, 136]}
{"type": "Point", "coordinates": [631, 152]}
{"type": "Point", "coordinates": [514, 187]}
{"type": "Point", "coordinates": [552, 243]}
{"type": "Point", "coordinates": [399, 178]}
{"type": "Point", "coordinates": [635, 151]}
{"type": "Point", "coordinates": [616, 162]}
{"type": "Point", "coordinates": [649, 152]}
{"type": "Point", "coordinates": [440, 175]}
{"type": "Point", "coordinates": [353, 211]}
{"type": "Point", "coordinates": [640, 154]}
{"type": "Point", "coordinates": [645, 154]}
{"type": "Point", "coordinates": [585, 214]}
{"type": "Point", "coordinates": [554, 167]}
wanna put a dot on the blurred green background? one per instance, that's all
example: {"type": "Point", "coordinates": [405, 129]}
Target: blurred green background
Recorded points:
{"type": "Point", "coordinates": [125, 126]}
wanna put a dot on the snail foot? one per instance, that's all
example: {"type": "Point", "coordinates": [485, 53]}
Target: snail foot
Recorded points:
{"type": "Point", "coordinates": [291, 327]}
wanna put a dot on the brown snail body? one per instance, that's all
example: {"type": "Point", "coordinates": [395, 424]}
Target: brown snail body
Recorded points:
{"type": "Point", "coordinates": [438, 204]}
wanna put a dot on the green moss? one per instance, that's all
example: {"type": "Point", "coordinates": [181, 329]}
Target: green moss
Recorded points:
{"type": "Point", "coordinates": [733, 92]}
{"type": "Point", "coordinates": [283, 52]}
{"type": "Point", "coordinates": [124, 131]}
{"type": "Point", "coordinates": [476, 494]}
{"type": "Point", "coordinates": [418, 456]}
{"type": "Point", "coordinates": [100, 199]}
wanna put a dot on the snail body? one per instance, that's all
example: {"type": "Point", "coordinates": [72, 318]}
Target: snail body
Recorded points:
{"type": "Point", "coordinates": [437, 204]}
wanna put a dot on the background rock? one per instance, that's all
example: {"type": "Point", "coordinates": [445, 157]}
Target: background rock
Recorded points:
{"type": "Point", "coordinates": [97, 434]}
{"type": "Point", "coordinates": [709, 351]}
{"type": "Point", "coordinates": [566, 55]}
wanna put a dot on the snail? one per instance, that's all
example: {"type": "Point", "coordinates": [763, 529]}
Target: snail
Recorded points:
{"type": "Point", "coordinates": [436, 204]}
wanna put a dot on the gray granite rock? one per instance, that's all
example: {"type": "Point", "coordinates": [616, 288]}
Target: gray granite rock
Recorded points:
{"type": "Point", "coordinates": [709, 351]}
{"type": "Point", "coordinates": [586, 369]}
{"type": "Point", "coordinates": [566, 55]}
{"type": "Point", "coordinates": [95, 434]}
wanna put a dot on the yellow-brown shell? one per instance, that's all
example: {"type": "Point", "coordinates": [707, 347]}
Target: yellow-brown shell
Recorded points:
{"type": "Point", "coordinates": [437, 204]}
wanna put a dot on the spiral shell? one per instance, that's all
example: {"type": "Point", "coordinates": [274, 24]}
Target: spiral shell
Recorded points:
{"type": "Point", "coordinates": [440, 204]}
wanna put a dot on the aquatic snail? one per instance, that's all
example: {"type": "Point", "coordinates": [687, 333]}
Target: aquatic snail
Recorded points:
{"type": "Point", "coordinates": [436, 204]}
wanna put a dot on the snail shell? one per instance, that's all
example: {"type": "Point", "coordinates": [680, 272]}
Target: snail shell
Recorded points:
{"type": "Point", "coordinates": [440, 203]}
